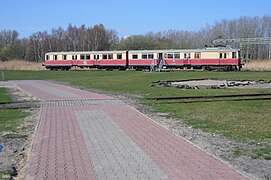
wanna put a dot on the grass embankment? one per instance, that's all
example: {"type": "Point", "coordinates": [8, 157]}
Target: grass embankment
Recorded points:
{"type": "Point", "coordinates": [244, 120]}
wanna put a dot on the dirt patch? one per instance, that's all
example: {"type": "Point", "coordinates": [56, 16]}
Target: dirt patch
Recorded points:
{"type": "Point", "coordinates": [213, 84]}
{"type": "Point", "coordinates": [15, 155]}
{"type": "Point", "coordinates": [19, 94]}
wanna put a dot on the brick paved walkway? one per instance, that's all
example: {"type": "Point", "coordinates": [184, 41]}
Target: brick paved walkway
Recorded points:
{"type": "Point", "coordinates": [84, 135]}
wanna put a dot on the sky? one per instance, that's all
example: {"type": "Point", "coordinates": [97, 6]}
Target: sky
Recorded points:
{"type": "Point", "coordinates": [127, 17]}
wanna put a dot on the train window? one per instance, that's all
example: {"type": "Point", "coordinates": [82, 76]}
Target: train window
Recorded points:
{"type": "Point", "coordinates": [82, 56]}
{"type": "Point", "coordinates": [150, 56]}
{"type": "Point", "coordinates": [135, 56]}
{"type": "Point", "coordinates": [88, 56]}
{"type": "Point", "coordinates": [220, 55]}
{"type": "Point", "coordinates": [176, 55]}
{"type": "Point", "coordinates": [47, 57]}
{"type": "Point", "coordinates": [119, 56]}
{"type": "Point", "coordinates": [225, 55]}
{"type": "Point", "coordinates": [233, 55]}
{"type": "Point", "coordinates": [64, 57]}
{"type": "Point", "coordinates": [197, 55]}
{"type": "Point", "coordinates": [55, 57]}
{"type": "Point", "coordinates": [110, 56]}
{"type": "Point", "coordinates": [170, 55]}
{"type": "Point", "coordinates": [187, 55]}
{"type": "Point", "coordinates": [104, 56]}
{"type": "Point", "coordinates": [96, 56]}
{"type": "Point", "coordinates": [144, 56]}
{"type": "Point", "coordinates": [74, 57]}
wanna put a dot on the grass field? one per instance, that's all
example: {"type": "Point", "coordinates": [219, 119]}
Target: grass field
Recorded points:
{"type": "Point", "coordinates": [4, 96]}
{"type": "Point", "coordinates": [244, 120]}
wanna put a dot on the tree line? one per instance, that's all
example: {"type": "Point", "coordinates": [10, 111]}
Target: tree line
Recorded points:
{"type": "Point", "coordinates": [98, 37]}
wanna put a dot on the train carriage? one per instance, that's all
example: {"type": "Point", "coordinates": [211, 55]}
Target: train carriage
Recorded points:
{"type": "Point", "coordinates": [207, 58]}
{"type": "Point", "coordinates": [143, 59]}
{"type": "Point", "coordinates": [111, 59]}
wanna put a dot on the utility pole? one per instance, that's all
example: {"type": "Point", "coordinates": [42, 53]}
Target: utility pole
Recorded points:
{"type": "Point", "coordinates": [269, 51]}
{"type": "Point", "coordinates": [245, 42]}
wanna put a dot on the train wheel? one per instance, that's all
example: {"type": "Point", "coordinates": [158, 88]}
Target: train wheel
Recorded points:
{"type": "Point", "coordinates": [204, 68]}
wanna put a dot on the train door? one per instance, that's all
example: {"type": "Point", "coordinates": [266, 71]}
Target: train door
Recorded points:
{"type": "Point", "coordinates": [160, 61]}
{"type": "Point", "coordinates": [160, 56]}
{"type": "Point", "coordinates": [187, 61]}
{"type": "Point", "coordinates": [222, 58]}
{"type": "Point", "coordinates": [96, 60]}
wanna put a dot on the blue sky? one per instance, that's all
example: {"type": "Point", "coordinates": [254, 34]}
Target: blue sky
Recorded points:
{"type": "Point", "coordinates": [125, 16]}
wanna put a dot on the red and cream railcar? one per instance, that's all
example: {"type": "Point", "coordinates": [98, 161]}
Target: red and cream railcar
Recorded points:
{"type": "Point", "coordinates": [91, 59]}
{"type": "Point", "coordinates": [207, 58]}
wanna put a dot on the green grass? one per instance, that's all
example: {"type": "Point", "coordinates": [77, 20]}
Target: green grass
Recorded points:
{"type": "Point", "coordinates": [10, 119]}
{"type": "Point", "coordinates": [244, 120]}
{"type": "Point", "coordinates": [129, 81]}
{"type": "Point", "coordinates": [237, 153]}
{"type": "Point", "coordinates": [264, 153]}
{"type": "Point", "coordinates": [15, 136]}
{"type": "Point", "coordinates": [4, 95]}
{"type": "Point", "coordinates": [5, 174]}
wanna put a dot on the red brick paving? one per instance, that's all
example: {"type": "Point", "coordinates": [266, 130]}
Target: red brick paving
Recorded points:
{"type": "Point", "coordinates": [52, 91]}
{"type": "Point", "coordinates": [59, 149]}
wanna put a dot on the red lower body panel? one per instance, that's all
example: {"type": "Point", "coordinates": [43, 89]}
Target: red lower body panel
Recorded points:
{"type": "Point", "coordinates": [142, 62]}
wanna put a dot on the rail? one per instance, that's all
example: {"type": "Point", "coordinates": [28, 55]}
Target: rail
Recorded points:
{"type": "Point", "coordinates": [216, 98]}
{"type": "Point", "coordinates": [205, 97]}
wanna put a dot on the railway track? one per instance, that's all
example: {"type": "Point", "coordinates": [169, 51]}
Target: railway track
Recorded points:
{"type": "Point", "coordinates": [215, 98]}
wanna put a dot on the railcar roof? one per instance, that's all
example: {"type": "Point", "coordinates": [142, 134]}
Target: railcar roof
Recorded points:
{"type": "Point", "coordinates": [146, 51]}
{"type": "Point", "coordinates": [85, 52]}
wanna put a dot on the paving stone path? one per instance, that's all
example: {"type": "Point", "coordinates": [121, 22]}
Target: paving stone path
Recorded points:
{"type": "Point", "coordinates": [84, 135]}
